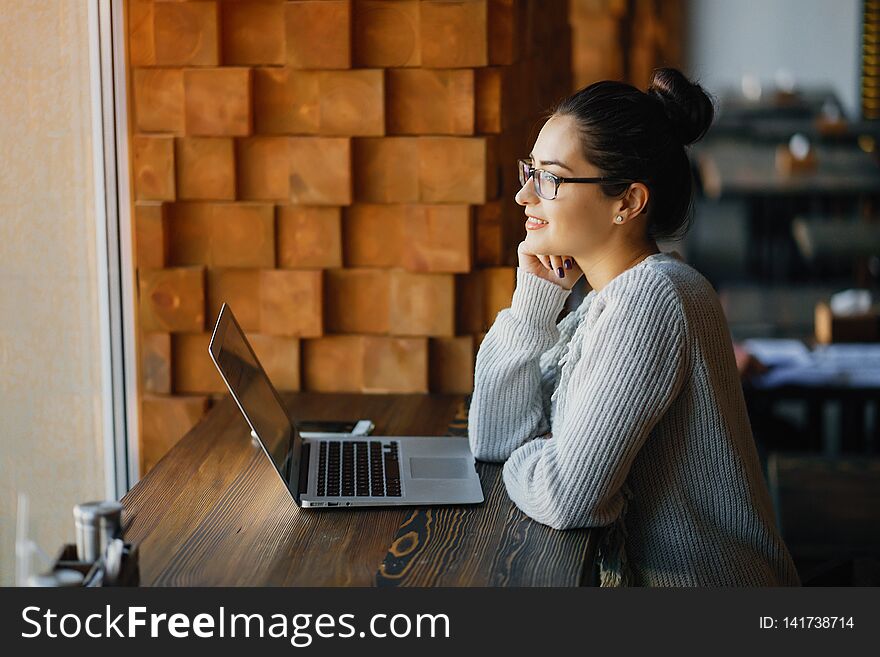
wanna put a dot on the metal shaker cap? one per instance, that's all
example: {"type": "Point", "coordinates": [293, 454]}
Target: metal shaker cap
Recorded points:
{"type": "Point", "coordinates": [111, 513]}
{"type": "Point", "coordinates": [87, 512]}
{"type": "Point", "coordinates": [90, 512]}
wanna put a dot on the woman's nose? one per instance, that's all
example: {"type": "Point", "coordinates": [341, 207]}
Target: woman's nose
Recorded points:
{"type": "Point", "coordinates": [526, 194]}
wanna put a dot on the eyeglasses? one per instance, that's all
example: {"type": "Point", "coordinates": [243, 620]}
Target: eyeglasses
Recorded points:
{"type": "Point", "coordinates": [547, 184]}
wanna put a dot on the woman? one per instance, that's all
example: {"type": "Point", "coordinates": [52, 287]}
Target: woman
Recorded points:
{"type": "Point", "coordinates": [627, 414]}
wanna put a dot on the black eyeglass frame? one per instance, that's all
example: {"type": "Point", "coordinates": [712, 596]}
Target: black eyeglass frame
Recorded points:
{"type": "Point", "coordinates": [558, 180]}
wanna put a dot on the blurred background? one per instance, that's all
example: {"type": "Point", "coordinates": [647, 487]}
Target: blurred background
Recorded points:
{"type": "Point", "coordinates": [342, 173]}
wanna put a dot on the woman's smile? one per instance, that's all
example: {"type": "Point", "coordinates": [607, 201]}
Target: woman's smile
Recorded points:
{"type": "Point", "coordinates": [533, 223]}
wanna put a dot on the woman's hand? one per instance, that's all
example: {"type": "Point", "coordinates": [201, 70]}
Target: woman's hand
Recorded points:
{"type": "Point", "coordinates": [549, 266]}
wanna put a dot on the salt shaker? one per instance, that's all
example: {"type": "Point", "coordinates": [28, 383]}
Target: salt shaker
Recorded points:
{"type": "Point", "coordinates": [97, 523]}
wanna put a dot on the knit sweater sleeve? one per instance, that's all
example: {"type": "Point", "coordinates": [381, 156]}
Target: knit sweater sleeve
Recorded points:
{"type": "Point", "coordinates": [631, 368]}
{"type": "Point", "coordinates": [516, 369]}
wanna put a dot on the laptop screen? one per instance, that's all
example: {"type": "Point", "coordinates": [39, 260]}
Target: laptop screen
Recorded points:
{"type": "Point", "coordinates": [256, 397]}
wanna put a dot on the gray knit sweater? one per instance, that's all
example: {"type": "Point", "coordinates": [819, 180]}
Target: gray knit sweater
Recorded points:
{"type": "Point", "coordinates": [629, 414]}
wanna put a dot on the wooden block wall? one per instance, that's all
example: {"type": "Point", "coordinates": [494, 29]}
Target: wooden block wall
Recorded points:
{"type": "Point", "coordinates": [625, 39]}
{"type": "Point", "coordinates": [341, 173]}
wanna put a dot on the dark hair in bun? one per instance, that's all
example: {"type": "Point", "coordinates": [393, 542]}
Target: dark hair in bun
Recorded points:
{"type": "Point", "coordinates": [636, 135]}
{"type": "Point", "coordinates": [686, 104]}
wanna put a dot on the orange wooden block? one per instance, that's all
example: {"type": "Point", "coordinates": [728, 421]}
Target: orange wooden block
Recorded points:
{"type": "Point", "coordinates": [384, 169]}
{"type": "Point", "coordinates": [357, 301]}
{"type": "Point", "coordinates": [318, 34]}
{"type": "Point", "coordinates": [333, 364]}
{"type": "Point", "coordinates": [386, 33]}
{"type": "Point", "coordinates": [205, 168]}
{"type": "Point", "coordinates": [373, 234]}
{"type": "Point", "coordinates": [222, 234]}
{"type": "Point", "coordinates": [141, 39]}
{"type": "Point", "coordinates": [291, 302]}
{"type": "Point", "coordinates": [191, 230]}
{"type": "Point", "coordinates": [155, 362]}
{"type": "Point", "coordinates": [600, 28]}
{"type": "Point", "coordinates": [496, 178]}
{"type": "Point", "coordinates": [185, 33]}
{"type": "Point", "coordinates": [505, 23]}
{"type": "Point", "coordinates": [548, 27]}
{"type": "Point", "coordinates": [194, 371]}
{"type": "Point", "coordinates": [437, 238]}
{"type": "Point", "coordinates": [253, 33]}
{"type": "Point", "coordinates": [453, 170]}
{"type": "Point", "coordinates": [422, 238]}
{"type": "Point", "coordinates": [590, 64]}
{"type": "Point", "coordinates": [164, 421]}
{"type": "Point", "coordinates": [217, 101]}
{"type": "Point", "coordinates": [172, 300]}
{"type": "Point", "coordinates": [153, 163]}
{"type": "Point", "coordinates": [150, 235]}
{"type": "Point", "coordinates": [262, 168]}
{"type": "Point", "coordinates": [498, 286]}
{"type": "Point", "coordinates": [279, 356]}
{"type": "Point", "coordinates": [430, 101]}
{"type": "Point", "coordinates": [352, 103]}
{"type": "Point", "coordinates": [469, 303]}
{"type": "Point", "coordinates": [368, 364]}
{"type": "Point", "coordinates": [331, 103]}
{"type": "Point", "coordinates": [505, 87]}
{"type": "Point", "coordinates": [451, 364]}
{"type": "Point", "coordinates": [395, 365]}
{"type": "Point", "coordinates": [490, 106]}
{"type": "Point", "coordinates": [320, 170]}
{"type": "Point", "coordinates": [489, 234]}
{"type": "Point", "coordinates": [243, 235]}
{"type": "Point", "coordinates": [286, 101]}
{"type": "Point", "coordinates": [309, 237]}
{"type": "Point", "coordinates": [422, 304]}
{"type": "Point", "coordinates": [507, 148]}
{"type": "Point", "coordinates": [454, 34]}
{"type": "Point", "coordinates": [240, 289]}
{"type": "Point", "coordinates": [269, 301]}
{"type": "Point", "coordinates": [158, 99]}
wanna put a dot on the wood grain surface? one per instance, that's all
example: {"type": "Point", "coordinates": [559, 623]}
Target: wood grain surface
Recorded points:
{"type": "Point", "coordinates": [213, 513]}
{"type": "Point", "coordinates": [493, 544]}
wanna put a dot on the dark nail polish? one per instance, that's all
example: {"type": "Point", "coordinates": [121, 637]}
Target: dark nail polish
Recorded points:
{"type": "Point", "coordinates": [567, 263]}
{"type": "Point", "coordinates": [561, 272]}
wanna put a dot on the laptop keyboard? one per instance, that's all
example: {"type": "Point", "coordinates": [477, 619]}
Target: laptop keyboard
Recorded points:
{"type": "Point", "coordinates": [358, 468]}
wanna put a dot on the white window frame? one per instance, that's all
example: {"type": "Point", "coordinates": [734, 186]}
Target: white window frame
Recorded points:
{"type": "Point", "coordinates": [116, 273]}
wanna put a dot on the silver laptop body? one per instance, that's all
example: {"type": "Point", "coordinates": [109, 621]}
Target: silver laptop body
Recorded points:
{"type": "Point", "coordinates": [340, 470]}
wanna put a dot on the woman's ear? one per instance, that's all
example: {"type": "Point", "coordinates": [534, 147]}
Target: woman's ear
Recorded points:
{"type": "Point", "coordinates": [635, 200]}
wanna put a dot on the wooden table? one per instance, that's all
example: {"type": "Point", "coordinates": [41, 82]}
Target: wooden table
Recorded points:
{"type": "Point", "coordinates": [213, 513]}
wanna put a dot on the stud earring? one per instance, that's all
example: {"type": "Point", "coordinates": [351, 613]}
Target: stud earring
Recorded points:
{"type": "Point", "coordinates": [618, 219]}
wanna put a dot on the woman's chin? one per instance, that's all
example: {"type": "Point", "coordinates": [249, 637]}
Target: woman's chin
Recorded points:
{"type": "Point", "coordinates": [537, 237]}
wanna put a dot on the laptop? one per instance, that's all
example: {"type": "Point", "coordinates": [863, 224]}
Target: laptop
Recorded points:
{"type": "Point", "coordinates": [340, 470]}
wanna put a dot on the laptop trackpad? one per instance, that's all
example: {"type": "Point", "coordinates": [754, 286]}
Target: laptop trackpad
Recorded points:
{"type": "Point", "coordinates": [431, 467]}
